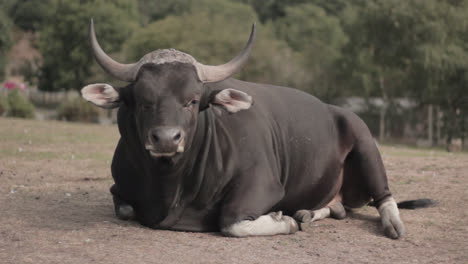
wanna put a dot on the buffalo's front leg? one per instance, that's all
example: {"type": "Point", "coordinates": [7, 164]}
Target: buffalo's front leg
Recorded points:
{"type": "Point", "coordinates": [251, 197]}
{"type": "Point", "coordinates": [123, 210]}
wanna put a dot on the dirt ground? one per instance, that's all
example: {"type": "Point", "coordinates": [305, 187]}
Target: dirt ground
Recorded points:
{"type": "Point", "coordinates": [55, 207]}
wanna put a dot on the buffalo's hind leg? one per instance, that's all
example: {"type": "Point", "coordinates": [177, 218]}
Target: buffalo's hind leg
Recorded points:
{"type": "Point", "coordinates": [123, 210]}
{"type": "Point", "coordinates": [365, 179]}
{"type": "Point", "coordinates": [334, 210]}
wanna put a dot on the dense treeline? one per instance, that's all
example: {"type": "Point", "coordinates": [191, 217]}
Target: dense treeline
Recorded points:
{"type": "Point", "coordinates": [389, 49]}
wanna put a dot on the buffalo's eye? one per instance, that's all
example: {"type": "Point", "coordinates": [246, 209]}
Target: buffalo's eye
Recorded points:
{"type": "Point", "coordinates": [191, 103]}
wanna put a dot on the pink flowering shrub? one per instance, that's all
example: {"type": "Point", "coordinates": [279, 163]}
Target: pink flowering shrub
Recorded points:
{"type": "Point", "coordinates": [9, 85]}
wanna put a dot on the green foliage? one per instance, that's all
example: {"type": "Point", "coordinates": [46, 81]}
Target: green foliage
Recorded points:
{"type": "Point", "coordinates": [5, 41]}
{"type": "Point", "coordinates": [77, 110]}
{"type": "Point", "coordinates": [30, 14]}
{"type": "Point", "coordinates": [308, 26]}
{"type": "Point", "coordinates": [29, 70]}
{"type": "Point", "coordinates": [67, 59]}
{"type": "Point", "coordinates": [319, 38]}
{"type": "Point", "coordinates": [440, 51]}
{"type": "Point", "coordinates": [19, 105]}
{"type": "Point", "coordinates": [219, 32]}
{"type": "Point", "coordinates": [270, 10]}
{"type": "Point", "coordinates": [152, 10]}
{"type": "Point", "coordinates": [4, 107]}
{"type": "Point", "coordinates": [198, 37]}
{"type": "Point", "coordinates": [410, 48]}
{"type": "Point", "coordinates": [408, 43]}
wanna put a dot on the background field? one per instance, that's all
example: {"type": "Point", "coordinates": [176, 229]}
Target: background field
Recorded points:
{"type": "Point", "coordinates": [401, 65]}
{"type": "Point", "coordinates": [55, 208]}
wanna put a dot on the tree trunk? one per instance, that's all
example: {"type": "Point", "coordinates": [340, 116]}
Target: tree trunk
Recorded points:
{"type": "Point", "coordinates": [450, 127]}
{"type": "Point", "coordinates": [382, 123]}
{"type": "Point", "coordinates": [430, 124]}
{"type": "Point", "coordinates": [383, 110]}
{"type": "Point", "coordinates": [438, 125]}
{"type": "Point", "coordinates": [448, 142]}
{"type": "Point", "coordinates": [462, 131]}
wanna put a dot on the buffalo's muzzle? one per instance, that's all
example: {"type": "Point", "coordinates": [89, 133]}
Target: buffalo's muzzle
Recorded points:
{"type": "Point", "coordinates": [165, 141]}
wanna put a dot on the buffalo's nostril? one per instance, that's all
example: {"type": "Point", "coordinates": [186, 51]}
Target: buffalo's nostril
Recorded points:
{"type": "Point", "coordinates": [166, 138]}
{"type": "Point", "coordinates": [177, 137]}
{"type": "Point", "coordinates": [155, 137]}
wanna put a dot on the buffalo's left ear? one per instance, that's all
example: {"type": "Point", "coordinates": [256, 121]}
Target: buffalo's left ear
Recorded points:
{"type": "Point", "coordinates": [232, 100]}
{"type": "Point", "coordinates": [102, 95]}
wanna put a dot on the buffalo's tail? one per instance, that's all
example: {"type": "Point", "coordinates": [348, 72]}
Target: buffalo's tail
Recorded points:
{"type": "Point", "coordinates": [413, 204]}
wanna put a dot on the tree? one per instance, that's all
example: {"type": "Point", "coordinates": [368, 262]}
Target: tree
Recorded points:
{"type": "Point", "coordinates": [410, 48]}
{"type": "Point", "coordinates": [214, 32]}
{"type": "Point", "coordinates": [152, 10]}
{"type": "Point", "coordinates": [378, 56]}
{"type": "Point", "coordinates": [270, 10]}
{"type": "Point", "coordinates": [30, 14]}
{"type": "Point", "coordinates": [319, 39]}
{"type": "Point", "coordinates": [440, 64]}
{"type": "Point", "coordinates": [67, 59]}
{"type": "Point", "coordinates": [5, 41]}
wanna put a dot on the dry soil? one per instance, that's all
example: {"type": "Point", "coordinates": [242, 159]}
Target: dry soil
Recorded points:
{"type": "Point", "coordinates": [55, 207]}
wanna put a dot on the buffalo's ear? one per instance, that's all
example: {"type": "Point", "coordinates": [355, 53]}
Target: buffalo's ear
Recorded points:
{"type": "Point", "coordinates": [232, 100]}
{"type": "Point", "coordinates": [102, 95]}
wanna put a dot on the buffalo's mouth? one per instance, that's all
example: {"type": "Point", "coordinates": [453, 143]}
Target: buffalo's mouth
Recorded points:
{"type": "Point", "coordinates": [156, 153]}
{"type": "Point", "coordinates": [161, 154]}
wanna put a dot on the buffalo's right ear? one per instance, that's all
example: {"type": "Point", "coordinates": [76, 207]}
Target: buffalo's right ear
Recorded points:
{"type": "Point", "coordinates": [102, 95]}
{"type": "Point", "coordinates": [232, 100]}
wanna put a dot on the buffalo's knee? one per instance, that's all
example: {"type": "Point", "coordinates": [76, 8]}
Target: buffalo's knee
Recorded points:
{"type": "Point", "coordinates": [123, 210]}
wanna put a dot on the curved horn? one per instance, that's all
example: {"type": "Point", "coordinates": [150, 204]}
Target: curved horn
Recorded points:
{"type": "Point", "coordinates": [208, 73]}
{"type": "Point", "coordinates": [124, 72]}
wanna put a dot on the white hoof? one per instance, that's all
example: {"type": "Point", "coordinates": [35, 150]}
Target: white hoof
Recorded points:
{"type": "Point", "coordinates": [392, 224]}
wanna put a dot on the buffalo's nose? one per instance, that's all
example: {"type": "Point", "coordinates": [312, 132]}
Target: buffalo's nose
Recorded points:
{"type": "Point", "coordinates": [166, 135]}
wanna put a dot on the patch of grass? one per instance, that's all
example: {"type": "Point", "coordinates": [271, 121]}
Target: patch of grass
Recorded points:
{"type": "Point", "coordinates": [53, 132]}
{"type": "Point", "coordinates": [410, 151]}
{"type": "Point", "coordinates": [43, 140]}
{"type": "Point", "coordinates": [64, 140]}
{"type": "Point", "coordinates": [34, 154]}
{"type": "Point", "coordinates": [29, 155]}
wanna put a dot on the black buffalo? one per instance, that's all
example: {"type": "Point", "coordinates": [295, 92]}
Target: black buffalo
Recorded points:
{"type": "Point", "coordinates": [200, 151]}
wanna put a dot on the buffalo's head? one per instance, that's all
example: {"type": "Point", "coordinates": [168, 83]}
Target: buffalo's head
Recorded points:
{"type": "Point", "coordinates": [166, 93]}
